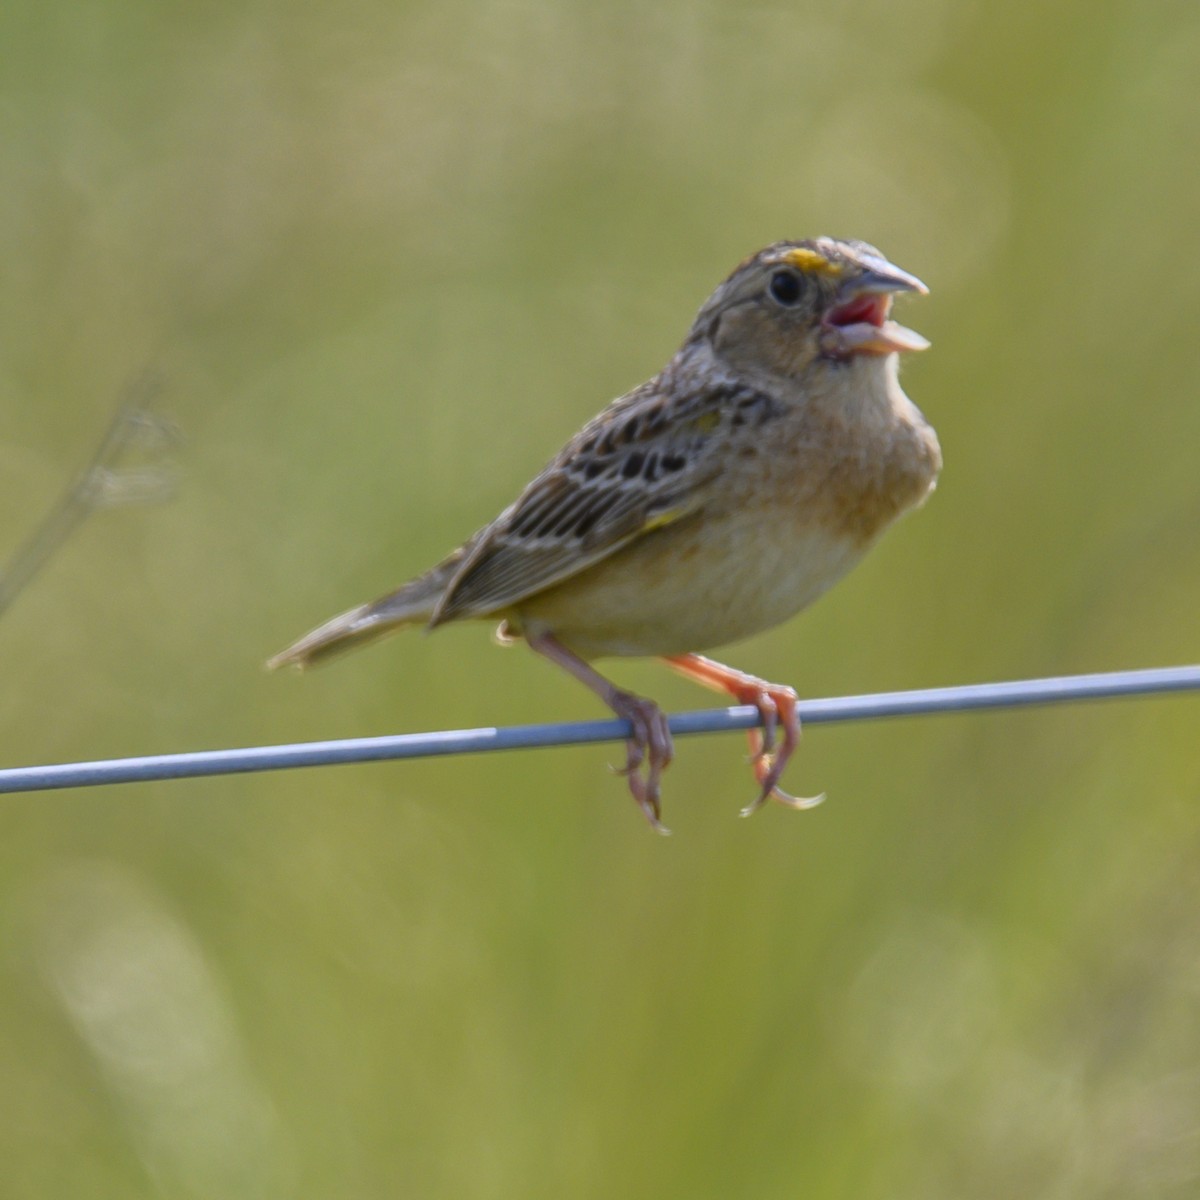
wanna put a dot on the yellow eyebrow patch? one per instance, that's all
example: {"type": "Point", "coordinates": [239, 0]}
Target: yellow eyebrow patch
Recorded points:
{"type": "Point", "coordinates": [811, 261]}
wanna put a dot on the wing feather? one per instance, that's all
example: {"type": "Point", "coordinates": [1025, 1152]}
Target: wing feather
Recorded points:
{"type": "Point", "coordinates": [639, 466]}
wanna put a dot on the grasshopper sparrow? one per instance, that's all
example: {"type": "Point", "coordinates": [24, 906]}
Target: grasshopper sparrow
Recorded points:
{"type": "Point", "coordinates": [712, 502]}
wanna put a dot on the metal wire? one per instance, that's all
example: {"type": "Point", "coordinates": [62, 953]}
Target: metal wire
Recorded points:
{"type": "Point", "coordinates": [1155, 681]}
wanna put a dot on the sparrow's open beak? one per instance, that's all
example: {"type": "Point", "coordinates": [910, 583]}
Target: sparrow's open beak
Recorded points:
{"type": "Point", "coordinates": [883, 276]}
{"type": "Point", "coordinates": [858, 322]}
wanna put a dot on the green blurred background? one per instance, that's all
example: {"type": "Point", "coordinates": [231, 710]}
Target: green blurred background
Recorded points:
{"type": "Point", "coordinates": [386, 257]}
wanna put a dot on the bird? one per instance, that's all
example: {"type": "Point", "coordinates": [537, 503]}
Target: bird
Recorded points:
{"type": "Point", "coordinates": [710, 503]}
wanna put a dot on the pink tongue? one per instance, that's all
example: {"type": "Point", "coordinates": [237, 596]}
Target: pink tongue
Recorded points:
{"type": "Point", "coordinates": [870, 310]}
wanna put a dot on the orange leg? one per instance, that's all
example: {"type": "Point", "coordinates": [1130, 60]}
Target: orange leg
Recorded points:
{"type": "Point", "coordinates": [651, 741]}
{"type": "Point", "coordinates": [776, 703]}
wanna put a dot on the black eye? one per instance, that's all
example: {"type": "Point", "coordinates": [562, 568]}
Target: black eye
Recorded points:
{"type": "Point", "coordinates": [785, 287]}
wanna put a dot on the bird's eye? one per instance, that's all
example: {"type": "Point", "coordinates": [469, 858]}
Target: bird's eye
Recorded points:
{"type": "Point", "coordinates": [785, 287]}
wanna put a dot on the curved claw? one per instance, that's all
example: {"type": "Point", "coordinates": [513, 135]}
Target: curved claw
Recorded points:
{"type": "Point", "coordinates": [634, 757]}
{"type": "Point", "coordinates": [778, 709]}
{"type": "Point", "coordinates": [799, 803]}
{"type": "Point", "coordinates": [762, 741]}
{"type": "Point", "coordinates": [647, 801]}
{"type": "Point", "coordinates": [651, 744]}
{"type": "Point", "coordinates": [778, 706]}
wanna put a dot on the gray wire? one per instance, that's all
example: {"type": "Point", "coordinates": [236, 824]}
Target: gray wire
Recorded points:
{"type": "Point", "coordinates": [1156, 681]}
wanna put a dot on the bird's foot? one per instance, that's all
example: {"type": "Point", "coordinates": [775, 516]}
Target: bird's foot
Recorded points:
{"type": "Point", "coordinates": [777, 705]}
{"type": "Point", "coordinates": [651, 744]}
{"type": "Point", "coordinates": [771, 746]}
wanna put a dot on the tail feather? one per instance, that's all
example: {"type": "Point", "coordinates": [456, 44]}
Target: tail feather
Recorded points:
{"type": "Point", "coordinates": [412, 604]}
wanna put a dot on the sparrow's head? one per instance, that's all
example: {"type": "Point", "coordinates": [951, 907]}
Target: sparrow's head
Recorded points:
{"type": "Point", "coordinates": [799, 303]}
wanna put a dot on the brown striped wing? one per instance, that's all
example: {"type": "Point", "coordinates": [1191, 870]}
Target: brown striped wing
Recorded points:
{"type": "Point", "coordinates": [637, 467]}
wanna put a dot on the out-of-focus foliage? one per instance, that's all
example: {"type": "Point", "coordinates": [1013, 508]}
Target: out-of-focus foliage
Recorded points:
{"type": "Point", "coordinates": [386, 257]}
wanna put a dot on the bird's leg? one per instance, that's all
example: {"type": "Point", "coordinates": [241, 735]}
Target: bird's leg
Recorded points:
{"type": "Point", "coordinates": [651, 741]}
{"type": "Point", "coordinates": [777, 705]}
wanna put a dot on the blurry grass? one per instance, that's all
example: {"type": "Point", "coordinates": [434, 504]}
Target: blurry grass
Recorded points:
{"type": "Point", "coordinates": [388, 258]}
